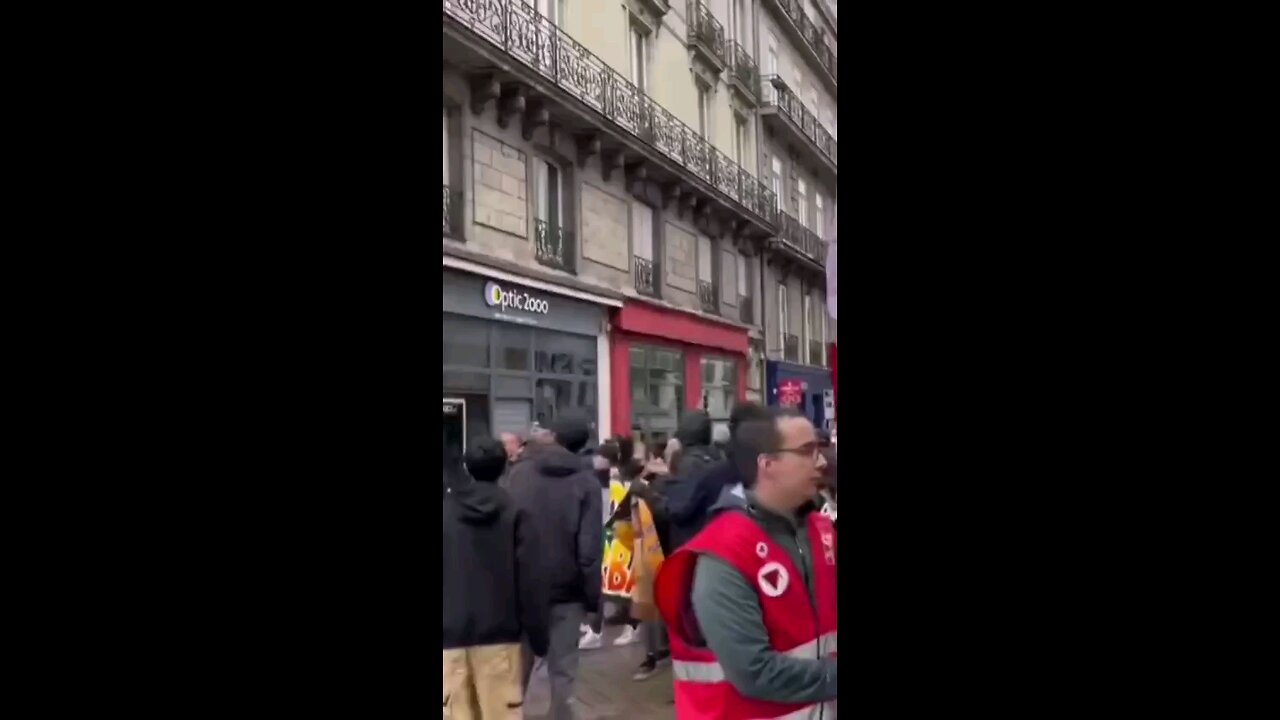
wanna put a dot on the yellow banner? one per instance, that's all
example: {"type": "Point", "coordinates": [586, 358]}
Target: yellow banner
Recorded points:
{"type": "Point", "coordinates": [616, 568]}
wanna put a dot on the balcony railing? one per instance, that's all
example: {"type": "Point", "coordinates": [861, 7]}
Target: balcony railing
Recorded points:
{"type": "Point", "coordinates": [707, 297]}
{"type": "Point", "coordinates": [791, 348]}
{"type": "Point", "coordinates": [553, 246]}
{"type": "Point", "coordinates": [706, 30]}
{"type": "Point", "coordinates": [812, 35]}
{"type": "Point", "coordinates": [745, 312]}
{"type": "Point", "coordinates": [790, 105]}
{"type": "Point", "coordinates": [452, 213]}
{"type": "Point", "coordinates": [803, 239]}
{"type": "Point", "coordinates": [645, 277]}
{"type": "Point", "coordinates": [745, 72]}
{"type": "Point", "coordinates": [536, 42]}
{"type": "Point", "coordinates": [815, 354]}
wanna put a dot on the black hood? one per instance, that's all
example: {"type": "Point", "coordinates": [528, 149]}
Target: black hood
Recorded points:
{"type": "Point", "coordinates": [479, 503]}
{"type": "Point", "coordinates": [555, 461]}
{"type": "Point", "coordinates": [694, 429]}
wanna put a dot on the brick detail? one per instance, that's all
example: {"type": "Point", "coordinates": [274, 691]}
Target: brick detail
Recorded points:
{"type": "Point", "coordinates": [681, 259]}
{"type": "Point", "coordinates": [499, 185]}
{"type": "Point", "coordinates": [604, 228]}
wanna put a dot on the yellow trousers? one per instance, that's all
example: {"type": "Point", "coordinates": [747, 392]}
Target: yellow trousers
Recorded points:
{"type": "Point", "coordinates": [483, 683]}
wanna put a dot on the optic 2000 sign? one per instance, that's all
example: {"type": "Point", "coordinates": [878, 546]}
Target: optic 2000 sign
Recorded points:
{"type": "Point", "coordinates": [496, 296]}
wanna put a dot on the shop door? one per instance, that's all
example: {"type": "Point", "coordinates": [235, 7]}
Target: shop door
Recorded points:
{"type": "Point", "coordinates": [455, 427]}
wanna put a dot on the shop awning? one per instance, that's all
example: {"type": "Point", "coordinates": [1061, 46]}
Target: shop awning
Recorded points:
{"type": "Point", "coordinates": [645, 319]}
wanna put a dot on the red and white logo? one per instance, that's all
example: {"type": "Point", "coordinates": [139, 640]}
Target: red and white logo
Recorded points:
{"type": "Point", "coordinates": [773, 579]}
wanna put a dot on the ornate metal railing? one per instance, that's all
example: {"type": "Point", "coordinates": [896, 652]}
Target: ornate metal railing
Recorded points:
{"type": "Point", "coordinates": [553, 246]}
{"type": "Point", "coordinates": [535, 41]}
{"type": "Point", "coordinates": [744, 69]}
{"type": "Point", "coordinates": [745, 312]}
{"type": "Point", "coordinates": [815, 354]}
{"type": "Point", "coordinates": [452, 213]}
{"type": "Point", "coordinates": [645, 276]}
{"type": "Point", "coordinates": [811, 34]}
{"type": "Point", "coordinates": [791, 348]}
{"type": "Point", "coordinates": [707, 296]}
{"type": "Point", "coordinates": [793, 233]}
{"type": "Point", "coordinates": [705, 29]}
{"type": "Point", "coordinates": [790, 105]}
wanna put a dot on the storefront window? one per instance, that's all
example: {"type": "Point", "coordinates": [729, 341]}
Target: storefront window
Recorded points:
{"type": "Point", "coordinates": [466, 341]}
{"type": "Point", "coordinates": [719, 387]}
{"type": "Point", "coordinates": [512, 345]}
{"type": "Point", "coordinates": [657, 393]}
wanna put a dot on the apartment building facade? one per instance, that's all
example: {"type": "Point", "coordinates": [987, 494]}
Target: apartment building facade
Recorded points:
{"type": "Point", "coordinates": [607, 228]}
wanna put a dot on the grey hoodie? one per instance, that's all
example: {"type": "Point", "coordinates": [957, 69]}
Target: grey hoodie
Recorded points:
{"type": "Point", "coordinates": [728, 612]}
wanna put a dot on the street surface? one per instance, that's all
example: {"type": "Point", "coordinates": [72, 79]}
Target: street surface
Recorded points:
{"type": "Point", "coordinates": [605, 689]}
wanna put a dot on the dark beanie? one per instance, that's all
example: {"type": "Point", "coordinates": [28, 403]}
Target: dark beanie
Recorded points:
{"type": "Point", "coordinates": [572, 430]}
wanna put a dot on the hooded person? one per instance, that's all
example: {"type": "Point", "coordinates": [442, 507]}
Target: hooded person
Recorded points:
{"type": "Point", "coordinates": [492, 594]}
{"type": "Point", "coordinates": [698, 484]}
{"type": "Point", "coordinates": [561, 495]}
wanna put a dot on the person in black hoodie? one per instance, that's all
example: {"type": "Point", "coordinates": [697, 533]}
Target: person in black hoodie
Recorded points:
{"type": "Point", "coordinates": [562, 498]}
{"type": "Point", "coordinates": [492, 596]}
{"type": "Point", "coordinates": [698, 483]}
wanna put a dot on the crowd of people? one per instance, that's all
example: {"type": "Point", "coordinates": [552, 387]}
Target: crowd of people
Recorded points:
{"type": "Point", "coordinates": [732, 565]}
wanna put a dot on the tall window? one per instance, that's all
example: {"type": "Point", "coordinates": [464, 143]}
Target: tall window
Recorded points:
{"type": "Point", "coordinates": [782, 316]}
{"type": "Point", "coordinates": [704, 110]}
{"type": "Point", "coordinates": [546, 192]}
{"type": "Point", "coordinates": [806, 327]}
{"type": "Point", "coordinates": [445, 115]}
{"type": "Point", "coordinates": [776, 179]}
{"type": "Point", "coordinates": [771, 67]}
{"type": "Point", "coordinates": [743, 287]}
{"type": "Point", "coordinates": [743, 18]}
{"type": "Point", "coordinates": [638, 44]}
{"type": "Point", "coordinates": [740, 139]}
{"type": "Point", "coordinates": [819, 218]}
{"type": "Point", "coordinates": [549, 9]}
{"type": "Point", "coordinates": [657, 392]}
{"type": "Point", "coordinates": [802, 202]}
{"type": "Point", "coordinates": [642, 230]}
{"type": "Point", "coordinates": [719, 388]}
{"type": "Point", "coordinates": [704, 259]}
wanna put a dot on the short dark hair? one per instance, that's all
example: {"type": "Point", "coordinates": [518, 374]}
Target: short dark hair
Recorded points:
{"type": "Point", "coordinates": [485, 460]}
{"type": "Point", "coordinates": [572, 430]}
{"type": "Point", "coordinates": [744, 412]}
{"type": "Point", "coordinates": [754, 438]}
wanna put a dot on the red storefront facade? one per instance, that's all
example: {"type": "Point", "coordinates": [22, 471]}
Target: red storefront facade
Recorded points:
{"type": "Point", "coordinates": [640, 324]}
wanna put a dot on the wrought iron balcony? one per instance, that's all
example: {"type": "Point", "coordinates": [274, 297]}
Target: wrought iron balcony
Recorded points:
{"type": "Point", "coordinates": [815, 354]}
{"type": "Point", "coordinates": [645, 277]}
{"type": "Point", "coordinates": [744, 71]}
{"type": "Point", "coordinates": [707, 34]}
{"type": "Point", "coordinates": [535, 41]}
{"type": "Point", "coordinates": [791, 348]}
{"type": "Point", "coordinates": [803, 239]}
{"type": "Point", "coordinates": [789, 104]}
{"type": "Point", "coordinates": [452, 213]}
{"type": "Point", "coordinates": [553, 246]}
{"type": "Point", "coordinates": [707, 297]}
{"type": "Point", "coordinates": [746, 313]}
{"type": "Point", "coordinates": [809, 32]}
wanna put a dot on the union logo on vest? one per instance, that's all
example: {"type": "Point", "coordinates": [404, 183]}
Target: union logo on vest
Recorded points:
{"type": "Point", "coordinates": [773, 579]}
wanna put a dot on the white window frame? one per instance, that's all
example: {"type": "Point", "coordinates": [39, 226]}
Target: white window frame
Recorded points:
{"type": "Point", "coordinates": [806, 308]}
{"type": "Point", "coordinates": [740, 139]}
{"type": "Point", "coordinates": [445, 114]}
{"type": "Point", "coordinates": [541, 185]}
{"type": "Point", "coordinates": [819, 219]}
{"type": "Point", "coordinates": [742, 276]}
{"type": "Point", "coordinates": [802, 202]}
{"type": "Point", "coordinates": [638, 54]}
{"type": "Point", "coordinates": [704, 109]}
{"type": "Point", "coordinates": [776, 177]}
{"type": "Point", "coordinates": [782, 319]}
{"type": "Point", "coordinates": [707, 263]}
{"type": "Point", "coordinates": [642, 231]}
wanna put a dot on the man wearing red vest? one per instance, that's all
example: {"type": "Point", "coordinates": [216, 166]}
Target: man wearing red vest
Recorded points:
{"type": "Point", "coordinates": [750, 601]}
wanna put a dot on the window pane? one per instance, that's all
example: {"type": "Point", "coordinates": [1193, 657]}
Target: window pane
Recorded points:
{"type": "Point", "coordinates": [742, 275]}
{"type": "Point", "coordinates": [642, 230]}
{"type": "Point", "coordinates": [466, 341]}
{"type": "Point", "coordinates": [704, 259]}
{"type": "Point", "coordinates": [551, 398]}
{"type": "Point", "coordinates": [512, 347]}
{"type": "Point", "coordinates": [565, 354]}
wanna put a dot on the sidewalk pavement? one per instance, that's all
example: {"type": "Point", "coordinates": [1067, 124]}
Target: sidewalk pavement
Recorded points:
{"type": "Point", "coordinates": [605, 689]}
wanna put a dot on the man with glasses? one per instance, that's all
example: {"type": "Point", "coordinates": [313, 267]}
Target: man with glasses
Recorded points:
{"type": "Point", "coordinates": [750, 601]}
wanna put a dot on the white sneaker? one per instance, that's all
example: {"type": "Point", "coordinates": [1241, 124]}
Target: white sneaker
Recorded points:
{"type": "Point", "coordinates": [583, 629]}
{"type": "Point", "coordinates": [589, 641]}
{"type": "Point", "coordinates": [628, 636]}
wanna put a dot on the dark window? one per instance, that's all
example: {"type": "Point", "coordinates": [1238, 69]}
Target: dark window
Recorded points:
{"type": "Point", "coordinates": [512, 345]}
{"type": "Point", "coordinates": [466, 341]}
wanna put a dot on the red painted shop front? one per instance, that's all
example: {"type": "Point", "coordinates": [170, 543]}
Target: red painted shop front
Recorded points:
{"type": "Point", "coordinates": [641, 325]}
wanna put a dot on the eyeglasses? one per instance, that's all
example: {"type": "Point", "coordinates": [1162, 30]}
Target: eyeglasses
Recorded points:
{"type": "Point", "coordinates": [810, 449]}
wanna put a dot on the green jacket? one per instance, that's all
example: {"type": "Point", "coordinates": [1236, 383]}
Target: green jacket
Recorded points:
{"type": "Point", "coordinates": [727, 608]}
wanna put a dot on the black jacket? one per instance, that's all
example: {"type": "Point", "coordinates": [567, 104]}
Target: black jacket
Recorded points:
{"type": "Point", "coordinates": [691, 494]}
{"type": "Point", "coordinates": [492, 588]}
{"type": "Point", "coordinates": [562, 499]}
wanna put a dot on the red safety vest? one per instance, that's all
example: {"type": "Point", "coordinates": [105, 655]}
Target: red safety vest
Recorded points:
{"type": "Point", "coordinates": [796, 626]}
